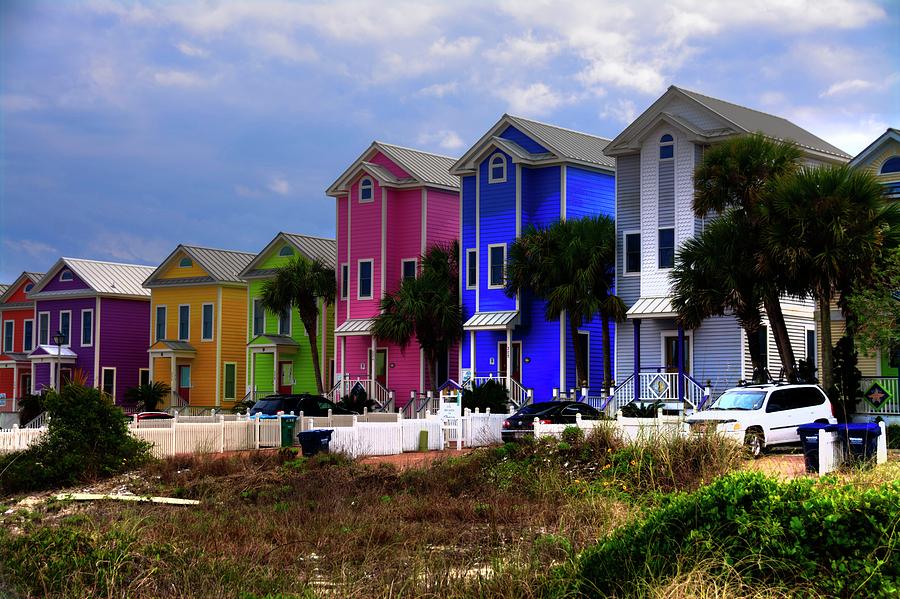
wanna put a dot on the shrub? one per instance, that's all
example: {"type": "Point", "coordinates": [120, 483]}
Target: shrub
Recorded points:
{"type": "Point", "coordinates": [150, 396]}
{"type": "Point", "coordinates": [641, 410]}
{"type": "Point", "coordinates": [488, 395]}
{"type": "Point", "coordinates": [87, 438]}
{"type": "Point", "coordinates": [838, 539]}
{"type": "Point", "coordinates": [357, 401]}
{"type": "Point", "coordinates": [893, 436]}
{"type": "Point", "coordinates": [30, 408]}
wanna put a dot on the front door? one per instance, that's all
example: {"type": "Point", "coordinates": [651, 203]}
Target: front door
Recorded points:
{"type": "Point", "coordinates": [25, 384]}
{"type": "Point", "coordinates": [285, 377]}
{"type": "Point", "coordinates": [184, 382]}
{"type": "Point", "coordinates": [670, 353]}
{"type": "Point", "coordinates": [65, 376]}
{"type": "Point", "coordinates": [516, 372]}
{"type": "Point", "coordinates": [379, 372]}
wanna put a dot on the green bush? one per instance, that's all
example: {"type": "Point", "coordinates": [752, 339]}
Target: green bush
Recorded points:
{"type": "Point", "coordinates": [148, 396]}
{"type": "Point", "coordinates": [642, 410]}
{"type": "Point", "coordinates": [87, 439]}
{"type": "Point", "coordinates": [837, 539]}
{"type": "Point", "coordinates": [893, 436]}
{"type": "Point", "coordinates": [488, 395]}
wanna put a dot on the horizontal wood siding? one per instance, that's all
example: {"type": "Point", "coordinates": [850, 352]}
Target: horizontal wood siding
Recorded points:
{"type": "Point", "coordinates": [498, 225]}
{"type": "Point", "coordinates": [54, 284]}
{"type": "Point", "coordinates": [234, 335]}
{"type": "Point", "coordinates": [341, 237]}
{"type": "Point", "coordinates": [365, 244]}
{"type": "Point", "coordinates": [666, 193]}
{"type": "Point", "coordinates": [404, 232]}
{"type": "Point", "coordinates": [176, 271]}
{"type": "Point", "coordinates": [124, 339]}
{"type": "Point", "coordinates": [541, 195]}
{"type": "Point", "coordinates": [467, 203]}
{"type": "Point", "coordinates": [540, 344]}
{"type": "Point", "coordinates": [513, 134]}
{"type": "Point", "coordinates": [85, 359]}
{"type": "Point", "coordinates": [589, 193]}
{"type": "Point", "coordinates": [628, 218]}
{"type": "Point", "coordinates": [442, 217]}
{"type": "Point", "coordinates": [717, 353]}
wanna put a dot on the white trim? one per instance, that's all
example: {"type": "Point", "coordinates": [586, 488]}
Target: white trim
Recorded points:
{"type": "Point", "coordinates": [812, 327]}
{"type": "Point", "coordinates": [212, 315]}
{"type": "Point", "coordinates": [403, 262]}
{"type": "Point", "coordinates": [491, 160]}
{"type": "Point", "coordinates": [382, 268]}
{"type": "Point", "coordinates": [156, 321]}
{"type": "Point", "coordinates": [12, 337]}
{"type": "Point", "coordinates": [489, 277]}
{"type": "Point", "coordinates": [466, 275]}
{"type": "Point", "coordinates": [188, 338]}
{"type": "Point", "coordinates": [664, 144]}
{"type": "Point", "coordinates": [103, 380]}
{"type": "Point", "coordinates": [253, 317]}
{"type": "Point", "coordinates": [69, 332]}
{"type": "Point", "coordinates": [224, 385]}
{"type": "Point", "coordinates": [459, 345]}
{"type": "Point", "coordinates": [24, 322]}
{"type": "Point", "coordinates": [387, 363]}
{"type": "Point", "coordinates": [424, 233]}
{"type": "Point", "coordinates": [691, 349]}
{"type": "Point", "coordinates": [562, 193]}
{"type": "Point", "coordinates": [64, 271]}
{"type": "Point", "coordinates": [96, 326]}
{"type": "Point", "coordinates": [371, 262]}
{"type": "Point", "coordinates": [290, 322]}
{"type": "Point", "coordinates": [588, 362]}
{"type": "Point", "coordinates": [502, 341]}
{"type": "Point", "coordinates": [217, 328]}
{"type": "Point", "coordinates": [370, 186]}
{"type": "Point", "coordinates": [345, 281]}
{"type": "Point", "coordinates": [47, 340]}
{"type": "Point", "coordinates": [477, 239]}
{"type": "Point", "coordinates": [190, 263]}
{"type": "Point", "coordinates": [562, 352]}
{"type": "Point", "coordinates": [81, 328]}
{"type": "Point", "coordinates": [422, 370]}
{"type": "Point", "coordinates": [625, 271]}
{"type": "Point", "coordinates": [323, 340]}
{"type": "Point", "coordinates": [349, 254]}
{"type": "Point", "coordinates": [149, 376]}
{"type": "Point", "coordinates": [518, 213]}
{"type": "Point", "coordinates": [659, 248]}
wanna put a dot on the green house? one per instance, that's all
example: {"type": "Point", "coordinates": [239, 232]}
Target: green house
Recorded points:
{"type": "Point", "coordinates": [279, 356]}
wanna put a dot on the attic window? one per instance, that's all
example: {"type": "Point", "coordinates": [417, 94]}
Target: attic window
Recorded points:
{"type": "Point", "coordinates": [286, 251]}
{"type": "Point", "coordinates": [66, 275]}
{"type": "Point", "coordinates": [365, 190]}
{"type": "Point", "coordinates": [497, 169]}
{"type": "Point", "coordinates": [666, 147]}
{"type": "Point", "coordinates": [186, 263]}
{"type": "Point", "coordinates": [29, 287]}
{"type": "Point", "coordinates": [891, 165]}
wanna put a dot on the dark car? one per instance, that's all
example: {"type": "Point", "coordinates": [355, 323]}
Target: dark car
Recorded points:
{"type": "Point", "coordinates": [521, 424]}
{"type": "Point", "coordinates": [154, 416]}
{"type": "Point", "coordinates": [310, 405]}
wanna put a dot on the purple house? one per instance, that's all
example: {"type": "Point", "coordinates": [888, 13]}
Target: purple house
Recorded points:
{"type": "Point", "coordinates": [102, 313]}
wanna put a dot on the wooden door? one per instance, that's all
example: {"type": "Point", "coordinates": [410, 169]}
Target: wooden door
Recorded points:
{"type": "Point", "coordinates": [184, 382]}
{"type": "Point", "coordinates": [25, 384]}
{"type": "Point", "coordinates": [65, 376]}
{"type": "Point", "coordinates": [516, 358]}
{"type": "Point", "coordinates": [670, 349]}
{"type": "Point", "coordinates": [285, 378]}
{"type": "Point", "coordinates": [379, 371]}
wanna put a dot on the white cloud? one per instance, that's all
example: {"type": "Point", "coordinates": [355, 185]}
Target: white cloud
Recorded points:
{"type": "Point", "coordinates": [622, 110]}
{"type": "Point", "coordinates": [534, 100]}
{"type": "Point", "coordinates": [174, 78]}
{"type": "Point", "coordinates": [439, 90]}
{"type": "Point", "coordinates": [279, 185]}
{"type": "Point", "coordinates": [127, 247]}
{"type": "Point", "coordinates": [191, 50]}
{"type": "Point", "coordinates": [31, 247]}
{"type": "Point", "coordinates": [524, 50]}
{"type": "Point", "coordinates": [20, 103]}
{"type": "Point", "coordinates": [848, 85]}
{"type": "Point", "coordinates": [279, 45]}
{"type": "Point", "coordinates": [445, 139]}
{"type": "Point", "coordinates": [460, 47]}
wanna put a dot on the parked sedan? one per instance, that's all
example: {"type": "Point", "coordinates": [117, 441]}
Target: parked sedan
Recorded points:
{"type": "Point", "coordinates": [521, 424]}
{"type": "Point", "coordinates": [310, 405]}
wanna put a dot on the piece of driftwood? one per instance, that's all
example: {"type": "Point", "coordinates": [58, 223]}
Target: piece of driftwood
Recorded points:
{"type": "Point", "coordinates": [138, 498]}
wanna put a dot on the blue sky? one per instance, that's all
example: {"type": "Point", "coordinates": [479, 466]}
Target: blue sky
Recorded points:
{"type": "Point", "coordinates": [127, 128]}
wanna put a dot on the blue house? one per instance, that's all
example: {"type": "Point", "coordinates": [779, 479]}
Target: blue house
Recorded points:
{"type": "Point", "coordinates": [520, 173]}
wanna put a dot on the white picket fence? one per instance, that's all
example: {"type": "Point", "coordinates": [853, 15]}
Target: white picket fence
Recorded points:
{"type": "Point", "coordinates": [16, 439]}
{"type": "Point", "coordinates": [630, 429]}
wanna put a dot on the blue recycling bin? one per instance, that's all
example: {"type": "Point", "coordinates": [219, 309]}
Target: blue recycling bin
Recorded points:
{"type": "Point", "coordinates": [315, 441]}
{"type": "Point", "coordinates": [809, 439]}
{"type": "Point", "coordinates": [859, 438]}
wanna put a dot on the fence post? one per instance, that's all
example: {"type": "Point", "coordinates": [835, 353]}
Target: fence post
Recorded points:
{"type": "Point", "coordinates": [537, 427]}
{"type": "Point", "coordinates": [16, 441]}
{"type": "Point", "coordinates": [222, 436]}
{"type": "Point", "coordinates": [578, 420]}
{"type": "Point", "coordinates": [256, 428]}
{"type": "Point", "coordinates": [174, 427]}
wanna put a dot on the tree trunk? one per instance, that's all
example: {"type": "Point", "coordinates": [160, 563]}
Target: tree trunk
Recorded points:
{"type": "Point", "coordinates": [580, 370]}
{"type": "Point", "coordinates": [607, 358]}
{"type": "Point", "coordinates": [755, 348]}
{"type": "Point", "coordinates": [780, 332]}
{"type": "Point", "coordinates": [827, 347]}
{"type": "Point", "coordinates": [314, 350]}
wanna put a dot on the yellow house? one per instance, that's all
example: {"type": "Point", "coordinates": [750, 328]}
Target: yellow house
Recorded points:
{"type": "Point", "coordinates": [198, 323]}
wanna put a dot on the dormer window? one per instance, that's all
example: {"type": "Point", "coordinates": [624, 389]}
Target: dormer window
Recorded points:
{"type": "Point", "coordinates": [186, 262]}
{"type": "Point", "coordinates": [497, 169]}
{"type": "Point", "coordinates": [365, 190]}
{"type": "Point", "coordinates": [66, 275]}
{"type": "Point", "coordinates": [286, 251]}
{"type": "Point", "coordinates": [891, 165]}
{"type": "Point", "coordinates": [29, 287]}
{"type": "Point", "coordinates": [666, 147]}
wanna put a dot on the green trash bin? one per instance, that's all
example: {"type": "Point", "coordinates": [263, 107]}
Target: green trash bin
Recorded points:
{"type": "Point", "coordinates": [288, 423]}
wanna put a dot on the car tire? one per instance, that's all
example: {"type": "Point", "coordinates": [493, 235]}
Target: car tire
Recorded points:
{"type": "Point", "coordinates": [754, 443]}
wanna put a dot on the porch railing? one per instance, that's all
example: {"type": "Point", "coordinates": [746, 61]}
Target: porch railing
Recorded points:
{"type": "Point", "coordinates": [658, 386]}
{"type": "Point", "coordinates": [890, 406]}
{"type": "Point", "coordinates": [519, 396]}
{"type": "Point", "coordinates": [38, 421]}
{"type": "Point", "coordinates": [383, 397]}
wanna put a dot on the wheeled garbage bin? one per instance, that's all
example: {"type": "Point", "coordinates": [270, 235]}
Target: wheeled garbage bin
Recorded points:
{"type": "Point", "coordinates": [288, 424]}
{"type": "Point", "coordinates": [859, 438]}
{"type": "Point", "coordinates": [809, 439]}
{"type": "Point", "coordinates": [315, 441]}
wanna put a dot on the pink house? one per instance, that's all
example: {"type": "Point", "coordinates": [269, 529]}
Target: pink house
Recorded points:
{"type": "Point", "coordinates": [392, 204]}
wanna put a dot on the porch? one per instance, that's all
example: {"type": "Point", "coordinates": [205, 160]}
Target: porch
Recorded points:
{"type": "Point", "coordinates": [271, 365]}
{"type": "Point", "coordinates": [881, 398]}
{"type": "Point", "coordinates": [60, 361]}
{"type": "Point", "coordinates": [181, 356]}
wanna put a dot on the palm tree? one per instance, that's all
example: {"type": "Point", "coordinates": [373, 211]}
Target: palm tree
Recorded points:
{"type": "Point", "coordinates": [711, 278]}
{"type": "Point", "coordinates": [148, 396]}
{"type": "Point", "coordinates": [571, 265]}
{"type": "Point", "coordinates": [828, 229]}
{"type": "Point", "coordinates": [426, 308]}
{"type": "Point", "coordinates": [740, 173]}
{"type": "Point", "coordinates": [305, 285]}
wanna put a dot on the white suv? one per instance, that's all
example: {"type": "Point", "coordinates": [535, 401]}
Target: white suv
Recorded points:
{"type": "Point", "coordinates": [763, 415]}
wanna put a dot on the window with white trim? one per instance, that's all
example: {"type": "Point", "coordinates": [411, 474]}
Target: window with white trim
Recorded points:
{"type": "Point", "coordinates": [184, 323]}
{"type": "Point", "coordinates": [143, 376]}
{"type": "Point", "coordinates": [632, 253]}
{"type": "Point", "coordinates": [66, 275]}
{"type": "Point", "coordinates": [230, 385]}
{"type": "Point", "coordinates": [185, 263]}
{"type": "Point", "coordinates": [87, 328]}
{"type": "Point", "coordinates": [44, 328]}
{"type": "Point", "coordinates": [206, 325]}
{"type": "Point", "coordinates": [497, 169]}
{"type": "Point", "coordinates": [65, 326]}
{"type": "Point", "coordinates": [259, 317]}
{"type": "Point", "coordinates": [29, 287]}
{"type": "Point", "coordinates": [160, 322]}
{"type": "Point", "coordinates": [365, 190]}
{"type": "Point", "coordinates": [9, 329]}
{"type": "Point", "coordinates": [284, 322]}
{"type": "Point", "coordinates": [496, 265]}
{"type": "Point", "coordinates": [666, 147]}
{"type": "Point", "coordinates": [471, 269]}
{"type": "Point", "coordinates": [286, 251]}
{"type": "Point", "coordinates": [667, 248]}
{"type": "Point", "coordinates": [28, 335]}
{"type": "Point", "coordinates": [108, 381]}
{"type": "Point", "coordinates": [408, 269]}
{"type": "Point", "coordinates": [345, 281]}
{"type": "Point", "coordinates": [364, 281]}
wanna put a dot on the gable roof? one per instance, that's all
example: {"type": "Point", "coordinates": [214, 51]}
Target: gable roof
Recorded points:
{"type": "Point", "coordinates": [315, 248]}
{"type": "Point", "coordinates": [9, 290]}
{"type": "Point", "coordinates": [222, 266]}
{"type": "Point", "coordinates": [739, 119]}
{"type": "Point", "coordinates": [425, 168]}
{"type": "Point", "coordinates": [564, 144]}
{"type": "Point", "coordinates": [890, 133]}
{"type": "Point", "coordinates": [103, 278]}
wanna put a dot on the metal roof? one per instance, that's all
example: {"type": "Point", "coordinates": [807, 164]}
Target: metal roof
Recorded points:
{"type": "Point", "coordinates": [34, 277]}
{"type": "Point", "coordinates": [492, 321]}
{"type": "Point", "coordinates": [222, 266]}
{"type": "Point", "coordinates": [106, 278]}
{"type": "Point", "coordinates": [172, 345]}
{"type": "Point", "coordinates": [652, 307]}
{"type": "Point", "coordinates": [574, 145]}
{"type": "Point", "coordinates": [355, 326]}
{"type": "Point", "coordinates": [424, 166]}
{"type": "Point", "coordinates": [315, 248]}
{"type": "Point", "coordinates": [273, 340]}
{"type": "Point", "coordinates": [42, 351]}
{"type": "Point", "coordinates": [863, 156]}
{"type": "Point", "coordinates": [3, 288]}
{"type": "Point", "coordinates": [772, 126]}
{"type": "Point", "coordinates": [14, 356]}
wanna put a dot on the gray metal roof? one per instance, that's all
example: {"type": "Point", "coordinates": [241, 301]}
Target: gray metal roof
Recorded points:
{"type": "Point", "coordinates": [317, 248]}
{"type": "Point", "coordinates": [173, 345]}
{"type": "Point", "coordinates": [492, 321]}
{"type": "Point", "coordinates": [62, 352]}
{"type": "Point", "coordinates": [355, 326]}
{"type": "Point", "coordinates": [652, 307]}
{"type": "Point", "coordinates": [183, 281]}
{"type": "Point", "coordinates": [34, 277]}
{"type": "Point", "coordinates": [424, 166]}
{"type": "Point", "coordinates": [770, 125]}
{"type": "Point", "coordinates": [222, 266]}
{"type": "Point", "coordinates": [280, 340]}
{"type": "Point", "coordinates": [15, 356]}
{"type": "Point", "coordinates": [567, 143]}
{"type": "Point", "coordinates": [3, 288]}
{"type": "Point", "coordinates": [108, 278]}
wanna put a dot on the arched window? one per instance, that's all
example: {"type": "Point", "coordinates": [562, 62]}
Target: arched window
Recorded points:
{"type": "Point", "coordinates": [286, 251]}
{"type": "Point", "coordinates": [497, 169]}
{"type": "Point", "coordinates": [891, 165]}
{"type": "Point", "coordinates": [29, 287]}
{"type": "Point", "coordinates": [186, 262]}
{"type": "Point", "coordinates": [666, 147]}
{"type": "Point", "coordinates": [66, 275]}
{"type": "Point", "coordinates": [365, 190]}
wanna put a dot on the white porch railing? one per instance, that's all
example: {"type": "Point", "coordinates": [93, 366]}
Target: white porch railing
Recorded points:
{"type": "Point", "coordinates": [891, 406]}
{"type": "Point", "coordinates": [659, 386]}
{"type": "Point", "coordinates": [383, 397]}
{"type": "Point", "coordinates": [38, 421]}
{"type": "Point", "coordinates": [519, 396]}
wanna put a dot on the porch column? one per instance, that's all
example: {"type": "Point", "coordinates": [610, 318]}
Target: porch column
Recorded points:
{"type": "Point", "coordinates": [343, 366]}
{"type": "Point", "coordinates": [472, 352]}
{"type": "Point", "coordinates": [681, 364]}
{"type": "Point", "coordinates": [372, 367]}
{"type": "Point", "coordinates": [637, 352]}
{"type": "Point", "coordinates": [52, 375]}
{"type": "Point", "coordinates": [16, 376]}
{"type": "Point", "coordinates": [508, 358]}
{"type": "Point", "coordinates": [275, 371]}
{"type": "Point", "coordinates": [174, 385]}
